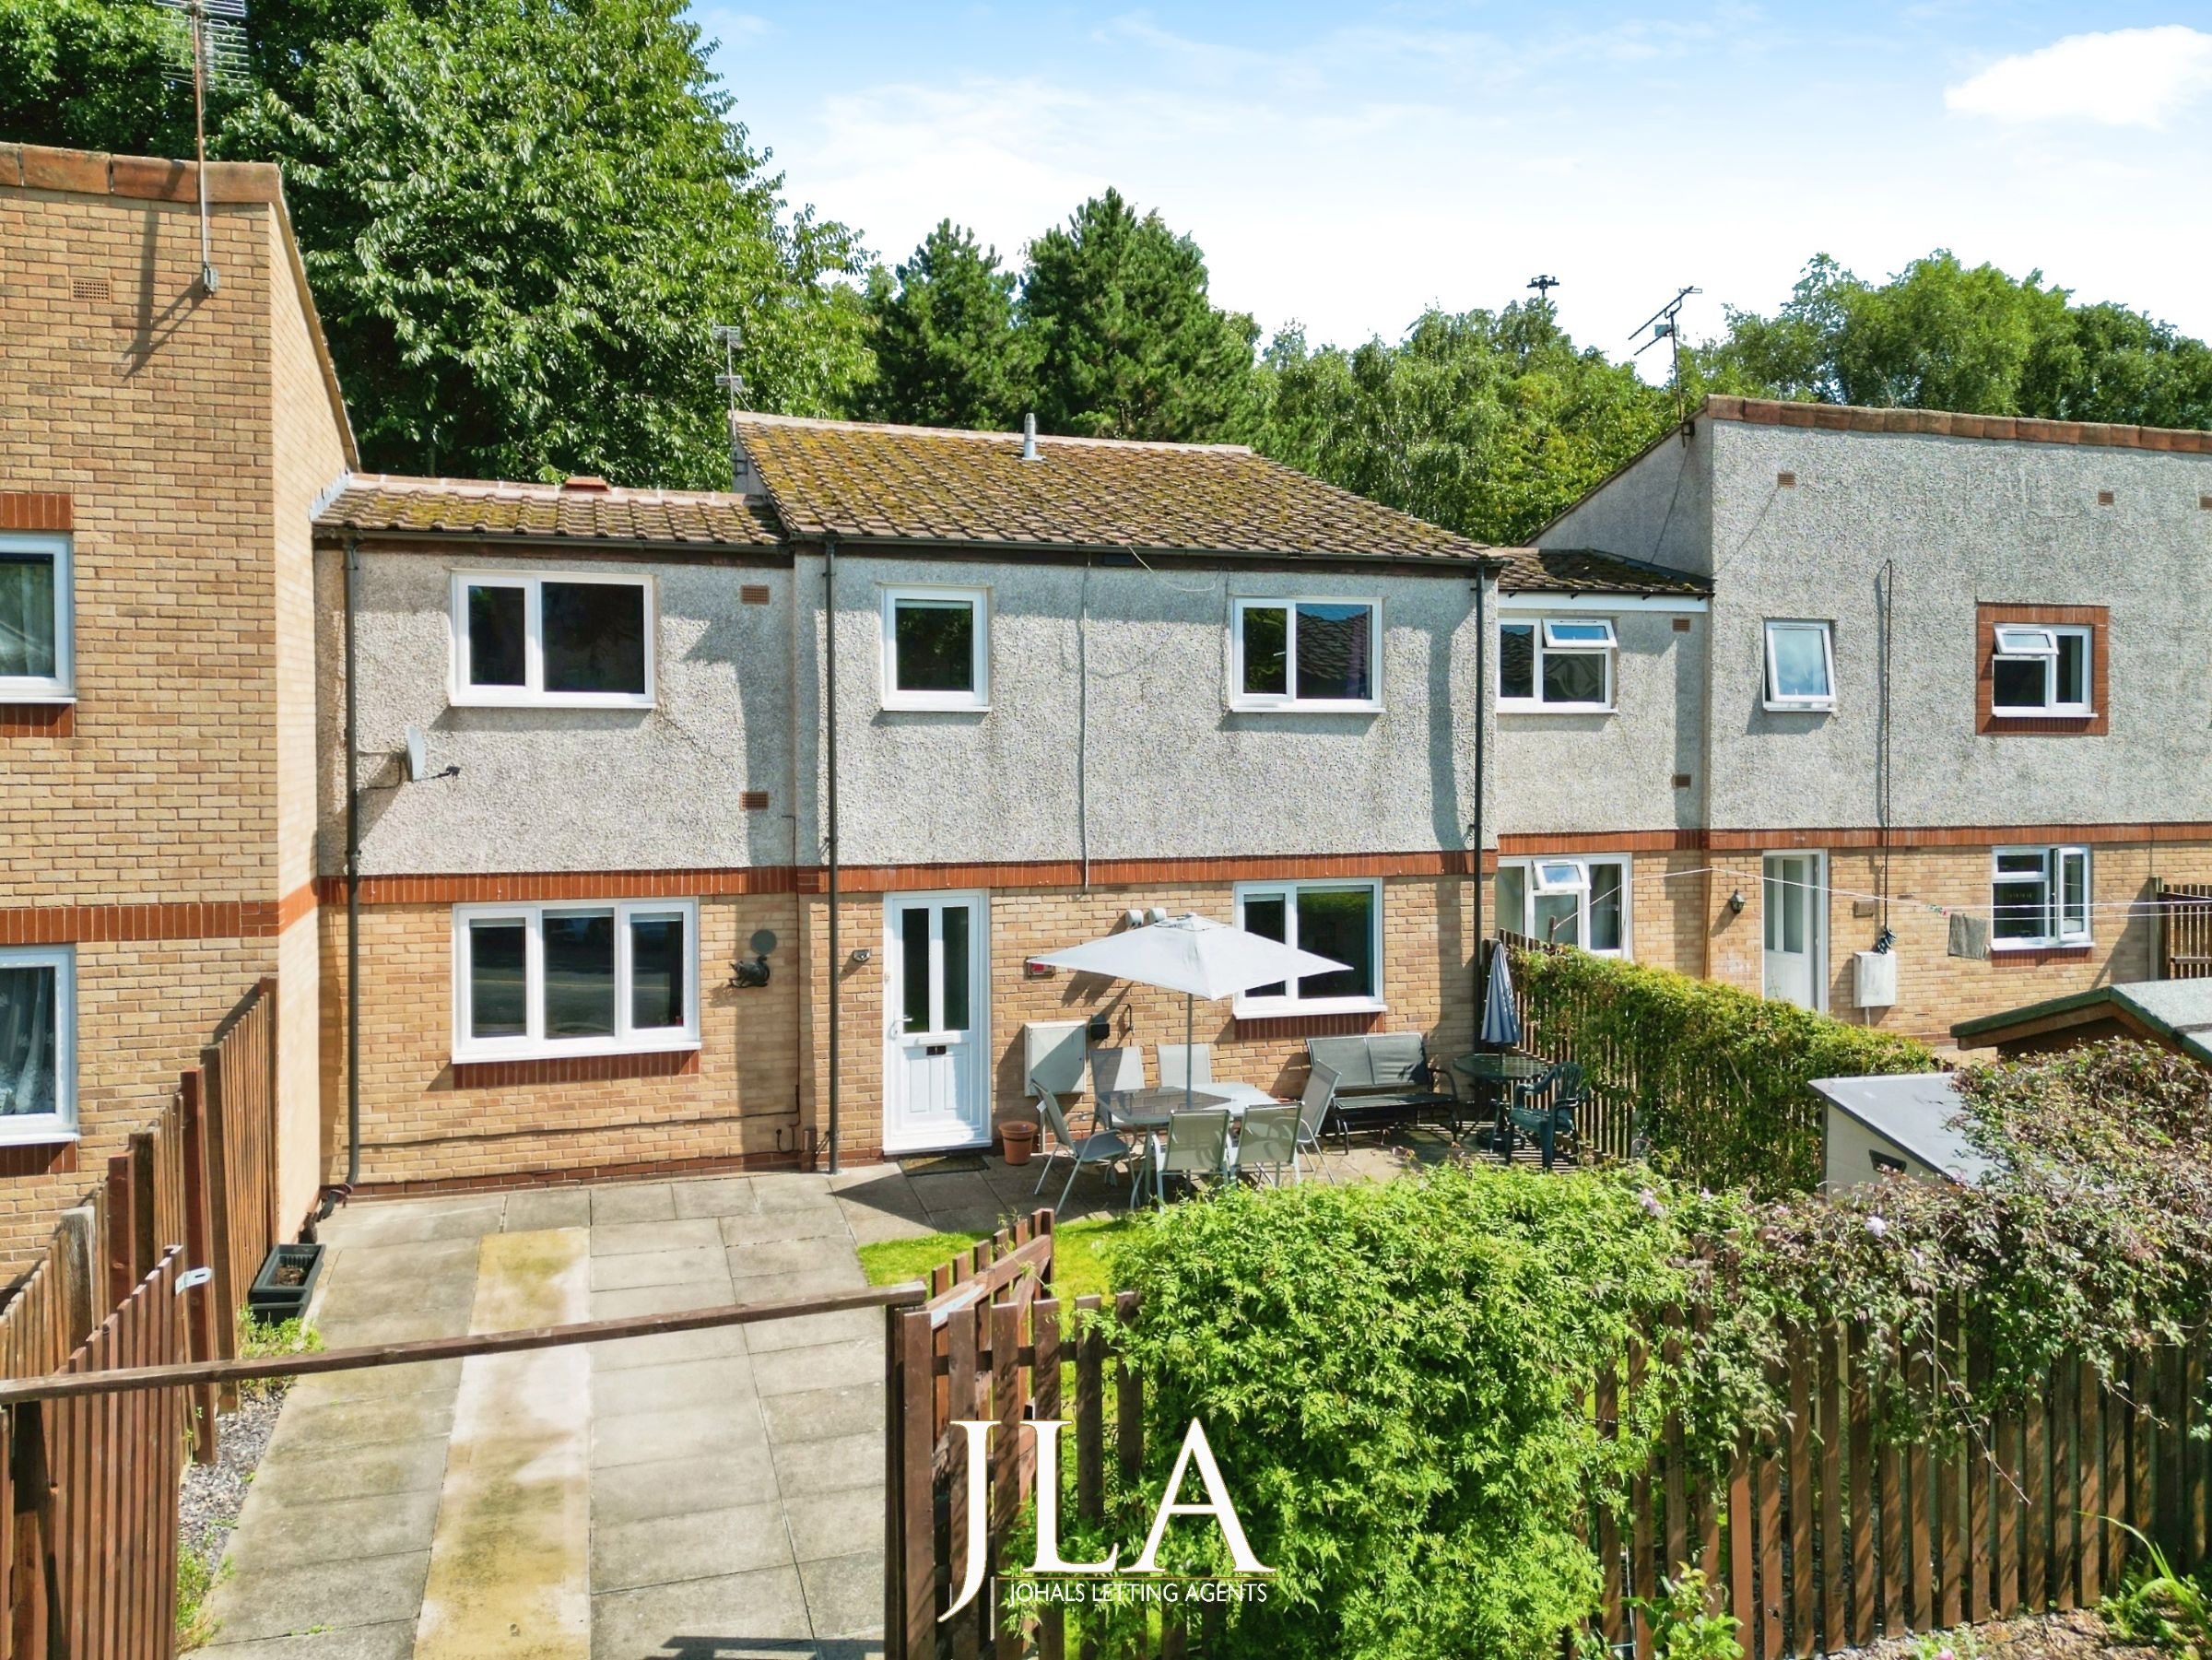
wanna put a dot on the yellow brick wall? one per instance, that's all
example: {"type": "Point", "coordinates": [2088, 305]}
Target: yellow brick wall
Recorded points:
{"type": "Point", "coordinates": [417, 1126]}
{"type": "Point", "coordinates": [1428, 931]}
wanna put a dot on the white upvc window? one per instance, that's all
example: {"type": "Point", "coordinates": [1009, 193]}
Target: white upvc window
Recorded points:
{"type": "Point", "coordinates": [37, 655]}
{"type": "Point", "coordinates": [2039, 896]}
{"type": "Point", "coordinates": [2041, 669]}
{"type": "Point", "coordinates": [1801, 667]}
{"type": "Point", "coordinates": [936, 648]}
{"type": "Point", "coordinates": [1316, 653]}
{"type": "Point", "coordinates": [575, 978]}
{"type": "Point", "coordinates": [1581, 901]}
{"type": "Point", "coordinates": [560, 639]}
{"type": "Point", "coordinates": [1342, 921]}
{"type": "Point", "coordinates": [1560, 664]}
{"type": "Point", "coordinates": [38, 1044]}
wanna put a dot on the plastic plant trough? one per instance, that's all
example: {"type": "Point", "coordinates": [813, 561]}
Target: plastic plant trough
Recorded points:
{"type": "Point", "coordinates": [279, 1292]}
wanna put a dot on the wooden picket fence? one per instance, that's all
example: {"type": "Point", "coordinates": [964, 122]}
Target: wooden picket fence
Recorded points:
{"type": "Point", "coordinates": [88, 1494]}
{"type": "Point", "coordinates": [1822, 1536]}
{"type": "Point", "coordinates": [2186, 930]}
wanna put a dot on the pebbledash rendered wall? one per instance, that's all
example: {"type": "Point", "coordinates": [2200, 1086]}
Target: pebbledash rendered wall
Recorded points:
{"type": "Point", "coordinates": [687, 799]}
{"type": "Point", "coordinates": [1799, 521]}
{"type": "Point", "coordinates": [177, 438]}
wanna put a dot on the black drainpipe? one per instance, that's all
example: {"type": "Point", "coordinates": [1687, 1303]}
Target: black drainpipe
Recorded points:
{"type": "Point", "coordinates": [353, 904]}
{"type": "Point", "coordinates": [1484, 571]}
{"type": "Point", "coordinates": [830, 839]}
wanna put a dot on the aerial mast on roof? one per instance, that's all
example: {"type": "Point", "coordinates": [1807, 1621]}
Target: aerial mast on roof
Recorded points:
{"type": "Point", "coordinates": [729, 336]}
{"type": "Point", "coordinates": [1543, 286]}
{"type": "Point", "coordinates": [1666, 323]}
{"type": "Point", "coordinates": [219, 57]}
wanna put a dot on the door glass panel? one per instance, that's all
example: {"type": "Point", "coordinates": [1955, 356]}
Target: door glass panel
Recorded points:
{"type": "Point", "coordinates": [1793, 906]}
{"type": "Point", "coordinates": [933, 648]}
{"type": "Point", "coordinates": [498, 986]}
{"type": "Point", "coordinates": [1267, 651]}
{"type": "Point", "coordinates": [1574, 678]}
{"type": "Point", "coordinates": [27, 614]}
{"type": "Point", "coordinates": [1339, 925]}
{"type": "Point", "coordinates": [27, 1039]}
{"type": "Point", "coordinates": [495, 636]}
{"type": "Point", "coordinates": [594, 637]}
{"type": "Point", "coordinates": [1604, 907]}
{"type": "Point", "coordinates": [1333, 649]}
{"type": "Point", "coordinates": [958, 951]}
{"type": "Point", "coordinates": [580, 973]}
{"type": "Point", "coordinates": [913, 968]}
{"type": "Point", "coordinates": [1774, 907]}
{"type": "Point", "coordinates": [1264, 915]}
{"type": "Point", "coordinates": [656, 972]}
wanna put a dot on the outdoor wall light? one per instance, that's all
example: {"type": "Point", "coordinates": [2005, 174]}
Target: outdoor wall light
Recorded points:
{"type": "Point", "coordinates": [861, 956]}
{"type": "Point", "coordinates": [1736, 901]}
{"type": "Point", "coordinates": [1134, 916]}
{"type": "Point", "coordinates": [754, 973]}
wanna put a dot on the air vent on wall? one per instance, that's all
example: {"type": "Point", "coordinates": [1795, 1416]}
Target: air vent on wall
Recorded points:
{"type": "Point", "coordinates": [753, 801]}
{"type": "Point", "coordinates": [91, 288]}
{"type": "Point", "coordinates": [753, 593]}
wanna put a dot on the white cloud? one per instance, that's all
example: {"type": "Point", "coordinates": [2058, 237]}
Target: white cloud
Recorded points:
{"type": "Point", "coordinates": [2130, 77]}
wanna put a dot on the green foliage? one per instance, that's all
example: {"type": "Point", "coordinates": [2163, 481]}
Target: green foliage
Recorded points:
{"type": "Point", "coordinates": [1126, 342]}
{"type": "Point", "coordinates": [197, 1580]}
{"type": "Point", "coordinates": [947, 351]}
{"type": "Point", "coordinates": [1489, 424]}
{"type": "Point", "coordinates": [1389, 1376]}
{"type": "Point", "coordinates": [1716, 1077]}
{"type": "Point", "coordinates": [1081, 1251]}
{"type": "Point", "coordinates": [98, 75]}
{"type": "Point", "coordinates": [521, 221]}
{"type": "Point", "coordinates": [1961, 1642]}
{"type": "Point", "coordinates": [2161, 1608]}
{"type": "Point", "coordinates": [1683, 1628]}
{"type": "Point", "coordinates": [265, 1340]}
{"type": "Point", "coordinates": [1942, 336]}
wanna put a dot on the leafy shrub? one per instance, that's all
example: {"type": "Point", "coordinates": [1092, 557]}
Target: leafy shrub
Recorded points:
{"type": "Point", "coordinates": [262, 1340]}
{"type": "Point", "coordinates": [1716, 1077]}
{"type": "Point", "coordinates": [1392, 1378]}
{"type": "Point", "coordinates": [2162, 1608]}
{"type": "Point", "coordinates": [1683, 1628]}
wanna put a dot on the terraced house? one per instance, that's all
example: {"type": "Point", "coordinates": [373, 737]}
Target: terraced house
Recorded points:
{"type": "Point", "coordinates": [163, 439]}
{"type": "Point", "coordinates": [1947, 688]}
{"type": "Point", "coordinates": [999, 693]}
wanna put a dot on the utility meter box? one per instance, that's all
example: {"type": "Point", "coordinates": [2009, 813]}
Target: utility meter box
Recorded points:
{"type": "Point", "coordinates": [1053, 1053]}
{"type": "Point", "coordinates": [1874, 979]}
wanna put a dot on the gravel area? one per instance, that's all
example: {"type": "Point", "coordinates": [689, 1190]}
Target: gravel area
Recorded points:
{"type": "Point", "coordinates": [2080, 1635]}
{"type": "Point", "coordinates": [213, 1493]}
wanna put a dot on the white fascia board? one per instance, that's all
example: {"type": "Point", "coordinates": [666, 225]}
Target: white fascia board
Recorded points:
{"type": "Point", "coordinates": [1610, 604]}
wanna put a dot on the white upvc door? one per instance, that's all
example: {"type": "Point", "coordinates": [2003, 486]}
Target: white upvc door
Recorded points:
{"type": "Point", "coordinates": [937, 1021]}
{"type": "Point", "coordinates": [1796, 903]}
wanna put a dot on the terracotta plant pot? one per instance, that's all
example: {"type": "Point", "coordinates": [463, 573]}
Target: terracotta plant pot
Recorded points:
{"type": "Point", "coordinates": [1020, 1141]}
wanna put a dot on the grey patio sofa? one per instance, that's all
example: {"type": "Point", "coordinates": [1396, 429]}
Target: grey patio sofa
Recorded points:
{"type": "Point", "coordinates": [1384, 1080]}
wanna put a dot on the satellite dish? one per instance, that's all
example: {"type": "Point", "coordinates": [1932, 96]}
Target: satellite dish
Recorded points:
{"type": "Point", "coordinates": [419, 755]}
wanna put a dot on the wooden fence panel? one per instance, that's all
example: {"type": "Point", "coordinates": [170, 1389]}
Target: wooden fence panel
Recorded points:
{"type": "Point", "coordinates": [2185, 931]}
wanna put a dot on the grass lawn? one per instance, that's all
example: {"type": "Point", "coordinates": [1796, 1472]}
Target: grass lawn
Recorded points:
{"type": "Point", "coordinates": [1079, 1251]}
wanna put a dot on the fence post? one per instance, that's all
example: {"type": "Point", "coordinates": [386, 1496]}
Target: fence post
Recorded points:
{"type": "Point", "coordinates": [267, 988]}
{"type": "Point", "coordinates": [76, 1262]}
{"type": "Point", "coordinates": [120, 1229]}
{"type": "Point", "coordinates": [145, 1249]}
{"type": "Point", "coordinates": [191, 1126]}
{"type": "Point", "coordinates": [30, 1521]}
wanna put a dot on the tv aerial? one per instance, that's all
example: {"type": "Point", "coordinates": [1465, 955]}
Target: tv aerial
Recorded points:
{"type": "Point", "coordinates": [1666, 323]}
{"type": "Point", "coordinates": [219, 59]}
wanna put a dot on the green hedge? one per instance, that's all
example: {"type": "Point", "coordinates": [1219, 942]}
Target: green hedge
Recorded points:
{"type": "Point", "coordinates": [1715, 1076]}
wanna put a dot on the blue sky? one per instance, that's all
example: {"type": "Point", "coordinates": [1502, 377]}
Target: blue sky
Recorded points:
{"type": "Point", "coordinates": [1344, 166]}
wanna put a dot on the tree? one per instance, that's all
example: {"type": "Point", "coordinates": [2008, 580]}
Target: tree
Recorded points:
{"type": "Point", "coordinates": [520, 220]}
{"type": "Point", "coordinates": [1942, 336]}
{"type": "Point", "coordinates": [1126, 342]}
{"type": "Point", "coordinates": [96, 75]}
{"type": "Point", "coordinates": [948, 353]}
{"type": "Point", "coordinates": [1488, 423]}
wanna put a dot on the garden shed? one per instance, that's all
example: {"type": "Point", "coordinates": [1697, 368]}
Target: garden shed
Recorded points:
{"type": "Point", "coordinates": [1899, 1124]}
{"type": "Point", "coordinates": [2173, 1014]}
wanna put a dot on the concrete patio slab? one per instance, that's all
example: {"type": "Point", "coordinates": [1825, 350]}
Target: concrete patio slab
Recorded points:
{"type": "Point", "coordinates": [632, 1202]}
{"type": "Point", "coordinates": [668, 1388]}
{"type": "Point", "coordinates": [822, 1366]}
{"type": "Point", "coordinates": [818, 1414]}
{"type": "Point", "coordinates": [662, 1550]}
{"type": "Point", "coordinates": [833, 1464]}
{"type": "Point", "coordinates": [533, 1208]}
{"type": "Point", "coordinates": [343, 1529]}
{"type": "Point", "coordinates": [844, 1593]}
{"type": "Point", "coordinates": [715, 1196]}
{"type": "Point", "coordinates": [679, 1487]}
{"type": "Point", "coordinates": [393, 1641]}
{"type": "Point", "coordinates": [690, 1265]}
{"type": "Point", "coordinates": [608, 1238]}
{"type": "Point", "coordinates": [287, 1600]}
{"type": "Point", "coordinates": [694, 1618]}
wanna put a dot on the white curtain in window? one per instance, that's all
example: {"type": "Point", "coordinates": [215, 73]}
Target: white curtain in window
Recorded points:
{"type": "Point", "coordinates": [25, 613]}
{"type": "Point", "coordinates": [26, 1041]}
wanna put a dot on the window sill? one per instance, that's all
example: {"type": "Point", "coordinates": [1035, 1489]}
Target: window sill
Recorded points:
{"type": "Point", "coordinates": [935, 706]}
{"type": "Point", "coordinates": [552, 699]}
{"type": "Point", "coordinates": [1532, 706]}
{"type": "Point", "coordinates": [1997, 712]}
{"type": "Point", "coordinates": [567, 1051]}
{"type": "Point", "coordinates": [2041, 947]}
{"type": "Point", "coordinates": [578, 1069]}
{"type": "Point", "coordinates": [1827, 708]}
{"type": "Point", "coordinates": [19, 693]}
{"type": "Point", "coordinates": [1283, 1009]}
{"type": "Point", "coordinates": [1304, 706]}
{"type": "Point", "coordinates": [37, 1135]}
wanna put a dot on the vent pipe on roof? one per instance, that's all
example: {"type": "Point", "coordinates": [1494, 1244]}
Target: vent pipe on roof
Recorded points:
{"type": "Point", "coordinates": [1029, 437]}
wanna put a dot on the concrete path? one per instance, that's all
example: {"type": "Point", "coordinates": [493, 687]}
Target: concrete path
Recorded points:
{"type": "Point", "coordinates": [704, 1494]}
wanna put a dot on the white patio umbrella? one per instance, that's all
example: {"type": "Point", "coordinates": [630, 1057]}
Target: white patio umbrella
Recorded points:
{"type": "Point", "coordinates": [1193, 955]}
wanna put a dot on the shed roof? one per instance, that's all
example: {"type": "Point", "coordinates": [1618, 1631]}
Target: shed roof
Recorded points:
{"type": "Point", "coordinates": [1587, 571]}
{"type": "Point", "coordinates": [2179, 1011]}
{"type": "Point", "coordinates": [1920, 1111]}
{"type": "Point", "coordinates": [595, 512]}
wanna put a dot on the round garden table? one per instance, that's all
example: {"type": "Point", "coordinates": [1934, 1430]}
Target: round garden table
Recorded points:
{"type": "Point", "coordinates": [1493, 1070]}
